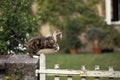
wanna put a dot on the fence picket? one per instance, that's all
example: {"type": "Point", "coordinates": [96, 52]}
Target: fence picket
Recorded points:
{"type": "Point", "coordinates": [69, 78]}
{"type": "Point", "coordinates": [56, 77]}
{"type": "Point", "coordinates": [111, 70]}
{"type": "Point", "coordinates": [83, 78]}
{"type": "Point", "coordinates": [83, 74]}
{"type": "Point", "coordinates": [97, 68]}
{"type": "Point", "coordinates": [42, 66]}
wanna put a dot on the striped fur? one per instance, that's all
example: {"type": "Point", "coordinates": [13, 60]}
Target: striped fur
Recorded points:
{"type": "Point", "coordinates": [36, 44]}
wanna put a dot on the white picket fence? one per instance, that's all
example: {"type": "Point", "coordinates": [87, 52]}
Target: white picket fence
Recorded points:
{"type": "Point", "coordinates": [83, 73]}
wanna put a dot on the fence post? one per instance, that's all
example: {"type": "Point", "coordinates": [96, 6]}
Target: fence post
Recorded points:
{"type": "Point", "coordinates": [56, 66]}
{"type": "Point", "coordinates": [42, 66]}
{"type": "Point", "coordinates": [111, 69]}
{"type": "Point", "coordinates": [83, 74]}
{"type": "Point", "coordinates": [97, 68]}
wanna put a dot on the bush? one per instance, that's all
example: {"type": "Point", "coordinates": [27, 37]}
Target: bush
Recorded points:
{"type": "Point", "coordinates": [15, 15]}
{"type": "Point", "coordinates": [72, 31]}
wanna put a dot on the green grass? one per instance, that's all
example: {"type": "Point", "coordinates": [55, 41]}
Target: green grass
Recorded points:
{"type": "Point", "coordinates": [67, 61]}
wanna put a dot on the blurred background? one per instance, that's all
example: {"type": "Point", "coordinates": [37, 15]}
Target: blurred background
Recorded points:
{"type": "Point", "coordinates": [88, 26]}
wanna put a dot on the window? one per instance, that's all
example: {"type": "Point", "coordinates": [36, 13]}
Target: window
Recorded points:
{"type": "Point", "coordinates": [112, 11]}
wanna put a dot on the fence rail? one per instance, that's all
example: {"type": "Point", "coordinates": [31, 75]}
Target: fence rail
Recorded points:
{"type": "Point", "coordinates": [83, 73]}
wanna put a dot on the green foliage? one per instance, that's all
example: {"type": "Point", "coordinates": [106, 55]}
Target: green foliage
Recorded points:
{"type": "Point", "coordinates": [18, 75]}
{"type": "Point", "coordinates": [59, 11]}
{"type": "Point", "coordinates": [7, 78]}
{"type": "Point", "coordinates": [72, 16]}
{"type": "Point", "coordinates": [111, 38]}
{"type": "Point", "coordinates": [15, 15]}
{"type": "Point", "coordinates": [95, 34]}
{"type": "Point", "coordinates": [56, 12]}
{"type": "Point", "coordinates": [72, 31]}
{"type": "Point", "coordinates": [116, 39]}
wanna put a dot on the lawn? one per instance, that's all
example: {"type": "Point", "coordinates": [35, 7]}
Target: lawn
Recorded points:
{"type": "Point", "coordinates": [67, 61]}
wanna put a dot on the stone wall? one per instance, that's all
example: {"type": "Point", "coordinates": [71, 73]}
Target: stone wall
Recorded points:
{"type": "Point", "coordinates": [18, 67]}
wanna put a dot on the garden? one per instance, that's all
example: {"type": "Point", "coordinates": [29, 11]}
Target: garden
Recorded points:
{"type": "Point", "coordinates": [25, 19]}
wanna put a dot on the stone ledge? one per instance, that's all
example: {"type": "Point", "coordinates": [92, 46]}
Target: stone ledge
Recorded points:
{"type": "Point", "coordinates": [19, 64]}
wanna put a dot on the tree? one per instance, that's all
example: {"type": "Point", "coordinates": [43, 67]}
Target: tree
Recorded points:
{"type": "Point", "coordinates": [59, 11]}
{"type": "Point", "coordinates": [95, 35]}
{"type": "Point", "coordinates": [15, 16]}
{"type": "Point", "coordinates": [71, 39]}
